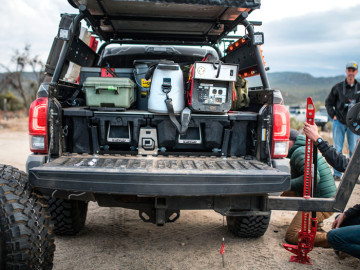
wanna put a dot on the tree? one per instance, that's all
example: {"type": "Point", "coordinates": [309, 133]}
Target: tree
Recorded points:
{"type": "Point", "coordinates": [26, 77]}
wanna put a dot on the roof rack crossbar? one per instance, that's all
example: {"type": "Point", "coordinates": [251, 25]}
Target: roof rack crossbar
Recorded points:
{"type": "Point", "coordinates": [164, 37]}
{"type": "Point", "coordinates": [99, 2]}
{"type": "Point", "coordinates": [161, 19]}
{"type": "Point", "coordinates": [94, 23]}
{"type": "Point", "coordinates": [216, 24]}
{"type": "Point", "coordinates": [233, 25]}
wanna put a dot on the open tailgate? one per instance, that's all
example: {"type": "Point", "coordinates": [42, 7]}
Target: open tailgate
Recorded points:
{"type": "Point", "coordinates": [159, 176]}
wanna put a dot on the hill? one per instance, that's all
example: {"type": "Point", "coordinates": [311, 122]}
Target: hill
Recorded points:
{"type": "Point", "coordinates": [296, 86]}
{"type": "Point", "coordinates": [27, 75]}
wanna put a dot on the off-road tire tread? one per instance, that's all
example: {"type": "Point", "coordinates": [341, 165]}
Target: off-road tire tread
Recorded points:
{"type": "Point", "coordinates": [68, 216]}
{"type": "Point", "coordinates": [248, 226]}
{"type": "Point", "coordinates": [25, 225]}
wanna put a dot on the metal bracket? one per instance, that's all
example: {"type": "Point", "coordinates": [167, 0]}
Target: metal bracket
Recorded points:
{"type": "Point", "coordinates": [336, 204]}
{"type": "Point", "coordinates": [159, 216]}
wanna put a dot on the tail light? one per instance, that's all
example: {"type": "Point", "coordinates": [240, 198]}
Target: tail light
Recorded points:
{"type": "Point", "coordinates": [38, 125]}
{"type": "Point", "coordinates": [281, 131]}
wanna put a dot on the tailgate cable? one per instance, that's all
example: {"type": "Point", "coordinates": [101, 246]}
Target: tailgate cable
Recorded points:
{"type": "Point", "coordinates": [185, 116]}
{"type": "Point", "coordinates": [306, 237]}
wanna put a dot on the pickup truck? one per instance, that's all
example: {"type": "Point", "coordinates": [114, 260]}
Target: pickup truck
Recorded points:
{"type": "Point", "coordinates": [232, 168]}
{"type": "Point", "coordinates": [230, 160]}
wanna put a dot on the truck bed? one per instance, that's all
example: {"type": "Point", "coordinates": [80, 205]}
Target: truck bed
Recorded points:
{"type": "Point", "coordinates": [159, 175]}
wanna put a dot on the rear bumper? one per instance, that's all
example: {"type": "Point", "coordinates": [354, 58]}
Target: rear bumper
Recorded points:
{"type": "Point", "coordinates": [159, 176]}
{"type": "Point", "coordinates": [34, 160]}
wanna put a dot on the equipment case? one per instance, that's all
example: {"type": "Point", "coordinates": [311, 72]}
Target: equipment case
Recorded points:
{"type": "Point", "coordinates": [109, 92]}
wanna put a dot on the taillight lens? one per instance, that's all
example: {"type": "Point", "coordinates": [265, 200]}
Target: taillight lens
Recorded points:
{"type": "Point", "coordinates": [281, 131]}
{"type": "Point", "coordinates": [38, 125]}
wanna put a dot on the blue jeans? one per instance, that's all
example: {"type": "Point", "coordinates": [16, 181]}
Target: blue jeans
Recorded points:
{"type": "Point", "coordinates": [339, 131]}
{"type": "Point", "coordinates": [347, 237]}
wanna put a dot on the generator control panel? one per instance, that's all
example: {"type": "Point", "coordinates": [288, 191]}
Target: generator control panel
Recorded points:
{"type": "Point", "coordinates": [210, 94]}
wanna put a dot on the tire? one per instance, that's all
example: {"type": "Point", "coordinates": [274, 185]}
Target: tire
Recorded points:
{"type": "Point", "coordinates": [26, 236]}
{"type": "Point", "coordinates": [248, 226]}
{"type": "Point", "coordinates": [68, 216]}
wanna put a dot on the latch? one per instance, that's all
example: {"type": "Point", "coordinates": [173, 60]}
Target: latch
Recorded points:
{"type": "Point", "coordinates": [148, 143]}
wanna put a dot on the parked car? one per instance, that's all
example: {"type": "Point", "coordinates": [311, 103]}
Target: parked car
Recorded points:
{"type": "Point", "coordinates": [321, 118]}
{"type": "Point", "coordinates": [298, 112]}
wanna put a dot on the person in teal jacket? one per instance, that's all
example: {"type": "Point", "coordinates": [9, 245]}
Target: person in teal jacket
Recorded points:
{"type": "Point", "coordinates": [326, 187]}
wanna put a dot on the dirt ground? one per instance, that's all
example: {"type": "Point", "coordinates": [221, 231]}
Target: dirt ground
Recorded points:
{"type": "Point", "coordinates": [116, 238]}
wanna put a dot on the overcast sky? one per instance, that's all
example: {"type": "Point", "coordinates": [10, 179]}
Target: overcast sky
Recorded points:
{"type": "Point", "coordinates": [314, 36]}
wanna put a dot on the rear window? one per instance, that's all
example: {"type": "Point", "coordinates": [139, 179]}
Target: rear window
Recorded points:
{"type": "Point", "coordinates": [124, 56]}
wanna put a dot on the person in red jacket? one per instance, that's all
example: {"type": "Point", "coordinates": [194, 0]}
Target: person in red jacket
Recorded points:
{"type": "Point", "coordinates": [345, 233]}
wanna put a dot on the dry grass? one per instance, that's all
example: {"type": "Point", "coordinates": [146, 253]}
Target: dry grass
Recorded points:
{"type": "Point", "coordinates": [328, 137]}
{"type": "Point", "coordinates": [14, 124]}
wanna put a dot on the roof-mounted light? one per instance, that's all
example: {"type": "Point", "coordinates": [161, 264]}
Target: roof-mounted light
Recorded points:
{"type": "Point", "coordinates": [258, 38]}
{"type": "Point", "coordinates": [64, 34]}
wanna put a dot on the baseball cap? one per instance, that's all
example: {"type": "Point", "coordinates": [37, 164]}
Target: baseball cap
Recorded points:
{"type": "Point", "coordinates": [353, 65]}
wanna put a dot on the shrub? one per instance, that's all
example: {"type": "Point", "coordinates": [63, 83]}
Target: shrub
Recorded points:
{"type": "Point", "coordinates": [13, 103]}
{"type": "Point", "coordinates": [295, 124]}
{"type": "Point", "coordinates": [328, 126]}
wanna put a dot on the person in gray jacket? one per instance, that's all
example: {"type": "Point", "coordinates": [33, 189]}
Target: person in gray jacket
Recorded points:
{"type": "Point", "coordinates": [342, 97]}
{"type": "Point", "coordinates": [345, 233]}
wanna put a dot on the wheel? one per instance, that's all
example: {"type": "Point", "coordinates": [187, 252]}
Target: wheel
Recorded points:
{"type": "Point", "coordinates": [248, 226]}
{"type": "Point", "coordinates": [68, 216]}
{"type": "Point", "coordinates": [26, 238]}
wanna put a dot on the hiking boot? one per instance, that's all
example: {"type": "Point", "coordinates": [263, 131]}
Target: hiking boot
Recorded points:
{"type": "Point", "coordinates": [337, 178]}
{"type": "Point", "coordinates": [341, 255]}
{"type": "Point", "coordinates": [320, 226]}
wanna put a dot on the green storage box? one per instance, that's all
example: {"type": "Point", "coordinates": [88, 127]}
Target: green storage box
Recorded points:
{"type": "Point", "coordinates": [109, 92]}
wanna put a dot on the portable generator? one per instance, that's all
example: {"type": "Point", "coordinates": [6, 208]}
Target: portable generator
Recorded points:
{"type": "Point", "coordinates": [210, 87]}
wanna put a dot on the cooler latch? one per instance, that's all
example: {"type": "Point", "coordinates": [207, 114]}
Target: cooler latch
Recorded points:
{"type": "Point", "coordinates": [166, 86]}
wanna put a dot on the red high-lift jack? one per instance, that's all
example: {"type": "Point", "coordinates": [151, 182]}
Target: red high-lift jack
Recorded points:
{"type": "Point", "coordinates": [306, 237]}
